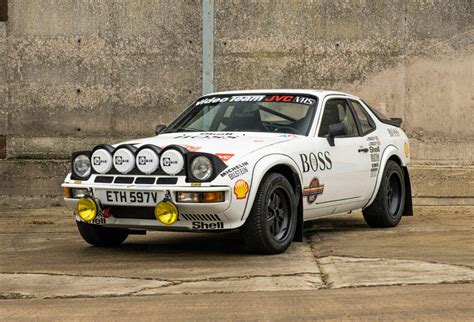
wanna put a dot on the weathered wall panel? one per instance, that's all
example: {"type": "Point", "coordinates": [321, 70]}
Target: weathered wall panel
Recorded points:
{"type": "Point", "coordinates": [94, 70]}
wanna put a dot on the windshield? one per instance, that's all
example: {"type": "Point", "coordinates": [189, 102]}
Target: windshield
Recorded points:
{"type": "Point", "coordinates": [248, 113]}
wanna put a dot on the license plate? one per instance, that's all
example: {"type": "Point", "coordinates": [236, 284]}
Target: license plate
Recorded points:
{"type": "Point", "coordinates": [127, 197]}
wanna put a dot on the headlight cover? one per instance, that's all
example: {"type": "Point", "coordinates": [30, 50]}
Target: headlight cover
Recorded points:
{"type": "Point", "coordinates": [81, 166]}
{"type": "Point", "coordinates": [201, 168]}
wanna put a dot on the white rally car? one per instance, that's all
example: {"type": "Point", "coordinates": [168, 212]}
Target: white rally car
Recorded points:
{"type": "Point", "coordinates": [262, 161]}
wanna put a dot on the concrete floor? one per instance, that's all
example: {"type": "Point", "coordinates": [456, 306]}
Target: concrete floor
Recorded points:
{"type": "Point", "coordinates": [422, 269]}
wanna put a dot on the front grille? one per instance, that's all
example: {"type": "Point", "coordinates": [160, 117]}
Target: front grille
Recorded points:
{"type": "Point", "coordinates": [138, 180]}
{"type": "Point", "coordinates": [123, 180]}
{"type": "Point", "coordinates": [104, 179]}
{"type": "Point", "coordinates": [145, 180]}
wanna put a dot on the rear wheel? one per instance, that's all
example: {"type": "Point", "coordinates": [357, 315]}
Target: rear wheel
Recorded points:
{"type": "Point", "coordinates": [271, 224]}
{"type": "Point", "coordinates": [387, 208]}
{"type": "Point", "coordinates": [101, 236]}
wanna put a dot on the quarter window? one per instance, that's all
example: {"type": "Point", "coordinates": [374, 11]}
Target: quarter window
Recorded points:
{"type": "Point", "coordinates": [365, 121]}
{"type": "Point", "coordinates": [338, 111]}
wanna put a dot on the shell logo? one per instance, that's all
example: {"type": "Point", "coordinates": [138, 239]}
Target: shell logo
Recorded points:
{"type": "Point", "coordinates": [241, 189]}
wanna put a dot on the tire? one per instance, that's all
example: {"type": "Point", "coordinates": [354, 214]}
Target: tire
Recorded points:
{"type": "Point", "coordinates": [388, 205]}
{"type": "Point", "coordinates": [101, 236]}
{"type": "Point", "coordinates": [271, 224]}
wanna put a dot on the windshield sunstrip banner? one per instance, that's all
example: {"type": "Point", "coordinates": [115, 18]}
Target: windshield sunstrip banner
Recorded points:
{"type": "Point", "coordinates": [257, 98]}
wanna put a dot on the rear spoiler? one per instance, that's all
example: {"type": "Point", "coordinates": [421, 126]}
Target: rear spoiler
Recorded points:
{"type": "Point", "coordinates": [395, 121]}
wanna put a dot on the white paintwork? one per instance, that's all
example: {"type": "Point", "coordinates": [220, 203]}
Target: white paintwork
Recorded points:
{"type": "Point", "coordinates": [349, 183]}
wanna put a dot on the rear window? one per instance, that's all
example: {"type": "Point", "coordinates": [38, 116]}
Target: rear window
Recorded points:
{"type": "Point", "coordinates": [365, 121]}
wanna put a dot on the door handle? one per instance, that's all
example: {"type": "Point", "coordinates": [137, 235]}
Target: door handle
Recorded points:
{"type": "Point", "coordinates": [365, 150]}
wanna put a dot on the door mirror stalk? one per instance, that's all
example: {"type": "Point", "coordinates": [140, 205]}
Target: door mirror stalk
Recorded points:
{"type": "Point", "coordinates": [334, 130]}
{"type": "Point", "coordinates": [159, 128]}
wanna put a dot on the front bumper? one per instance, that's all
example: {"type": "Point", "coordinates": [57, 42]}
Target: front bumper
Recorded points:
{"type": "Point", "coordinates": [192, 216]}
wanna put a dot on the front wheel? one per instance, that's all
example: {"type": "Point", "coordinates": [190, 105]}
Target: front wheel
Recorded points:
{"type": "Point", "coordinates": [101, 236]}
{"type": "Point", "coordinates": [387, 208]}
{"type": "Point", "coordinates": [271, 224]}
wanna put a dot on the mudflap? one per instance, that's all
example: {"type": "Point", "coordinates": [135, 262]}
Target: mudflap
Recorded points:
{"type": "Point", "coordinates": [299, 223]}
{"type": "Point", "coordinates": [408, 209]}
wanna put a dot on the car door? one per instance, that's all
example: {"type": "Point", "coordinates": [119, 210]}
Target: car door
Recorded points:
{"type": "Point", "coordinates": [338, 175]}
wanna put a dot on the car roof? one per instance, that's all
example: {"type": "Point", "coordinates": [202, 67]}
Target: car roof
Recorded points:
{"type": "Point", "coordinates": [315, 92]}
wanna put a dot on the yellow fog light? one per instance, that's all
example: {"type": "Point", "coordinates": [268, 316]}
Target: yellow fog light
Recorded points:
{"type": "Point", "coordinates": [86, 209]}
{"type": "Point", "coordinates": [166, 212]}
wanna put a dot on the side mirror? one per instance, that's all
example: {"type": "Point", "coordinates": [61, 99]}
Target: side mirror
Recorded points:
{"type": "Point", "coordinates": [159, 128]}
{"type": "Point", "coordinates": [336, 129]}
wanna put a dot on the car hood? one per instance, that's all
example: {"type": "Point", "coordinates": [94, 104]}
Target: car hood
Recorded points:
{"type": "Point", "coordinates": [225, 145]}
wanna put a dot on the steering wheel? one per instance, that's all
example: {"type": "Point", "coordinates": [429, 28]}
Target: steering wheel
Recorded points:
{"type": "Point", "coordinates": [287, 129]}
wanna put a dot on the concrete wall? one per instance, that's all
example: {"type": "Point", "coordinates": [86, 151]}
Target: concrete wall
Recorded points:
{"type": "Point", "coordinates": [75, 73]}
{"type": "Point", "coordinates": [413, 59]}
{"type": "Point", "coordinates": [83, 72]}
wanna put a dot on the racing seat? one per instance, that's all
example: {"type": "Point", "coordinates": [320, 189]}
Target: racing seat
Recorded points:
{"type": "Point", "coordinates": [330, 116]}
{"type": "Point", "coordinates": [245, 117]}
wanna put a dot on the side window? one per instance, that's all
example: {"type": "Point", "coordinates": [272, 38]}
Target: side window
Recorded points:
{"type": "Point", "coordinates": [365, 121]}
{"type": "Point", "coordinates": [338, 111]}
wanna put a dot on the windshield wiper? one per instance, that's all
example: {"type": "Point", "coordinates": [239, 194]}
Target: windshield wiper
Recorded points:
{"type": "Point", "coordinates": [182, 129]}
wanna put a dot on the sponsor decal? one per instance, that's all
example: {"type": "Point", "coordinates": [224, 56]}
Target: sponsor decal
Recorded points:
{"type": "Point", "coordinates": [199, 225]}
{"type": "Point", "coordinates": [289, 99]}
{"type": "Point", "coordinates": [289, 136]}
{"type": "Point", "coordinates": [167, 162]}
{"type": "Point", "coordinates": [236, 171]}
{"type": "Point", "coordinates": [119, 160]}
{"type": "Point", "coordinates": [142, 160]}
{"type": "Point", "coordinates": [257, 98]}
{"type": "Point", "coordinates": [107, 212]}
{"type": "Point", "coordinates": [393, 132]}
{"type": "Point", "coordinates": [98, 161]}
{"type": "Point", "coordinates": [206, 135]}
{"type": "Point", "coordinates": [316, 161]}
{"type": "Point", "coordinates": [304, 100]}
{"type": "Point", "coordinates": [279, 98]}
{"type": "Point", "coordinates": [97, 221]}
{"type": "Point", "coordinates": [190, 148]}
{"type": "Point", "coordinates": [224, 156]}
{"type": "Point", "coordinates": [374, 150]}
{"type": "Point", "coordinates": [313, 190]}
{"type": "Point", "coordinates": [241, 189]}
{"type": "Point", "coordinates": [407, 149]}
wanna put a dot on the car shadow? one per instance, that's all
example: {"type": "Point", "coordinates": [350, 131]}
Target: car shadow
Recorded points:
{"type": "Point", "coordinates": [169, 243]}
{"type": "Point", "coordinates": [219, 243]}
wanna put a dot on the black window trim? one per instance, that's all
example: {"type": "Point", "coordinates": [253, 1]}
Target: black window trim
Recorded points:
{"type": "Point", "coordinates": [359, 126]}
